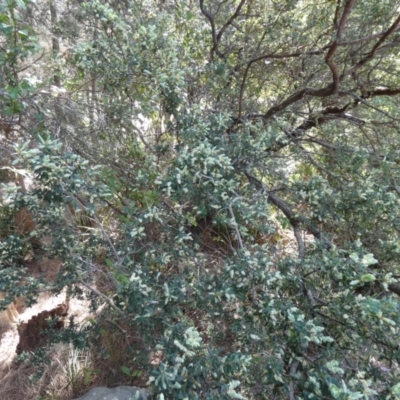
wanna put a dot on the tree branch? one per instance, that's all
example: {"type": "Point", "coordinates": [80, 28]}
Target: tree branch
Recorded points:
{"type": "Point", "coordinates": [230, 20]}
{"type": "Point", "coordinates": [395, 288]}
{"type": "Point", "coordinates": [363, 101]}
{"type": "Point", "coordinates": [331, 88]}
{"type": "Point", "coordinates": [320, 118]}
{"type": "Point", "coordinates": [103, 296]}
{"type": "Point", "coordinates": [323, 92]}
{"type": "Point", "coordinates": [329, 56]}
{"type": "Point", "coordinates": [384, 92]}
{"type": "Point", "coordinates": [235, 225]}
{"type": "Point", "coordinates": [321, 50]}
{"type": "Point", "coordinates": [292, 372]}
{"type": "Point", "coordinates": [294, 220]}
{"type": "Point", "coordinates": [370, 56]}
{"type": "Point", "coordinates": [210, 17]}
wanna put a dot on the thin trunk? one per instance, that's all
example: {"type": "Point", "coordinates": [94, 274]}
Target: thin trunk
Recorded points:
{"type": "Point", "coordinates": [55, 41]}
{"type": "Point", "coordinates": [92, 98]}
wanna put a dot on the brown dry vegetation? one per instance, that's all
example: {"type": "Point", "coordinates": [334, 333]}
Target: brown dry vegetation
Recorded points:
{"type": "Point", "coordinates": [70, 372]}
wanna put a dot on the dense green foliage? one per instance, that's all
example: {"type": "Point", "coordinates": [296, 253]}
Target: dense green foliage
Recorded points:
{"type": "Point", "coordinates": [238, 163]}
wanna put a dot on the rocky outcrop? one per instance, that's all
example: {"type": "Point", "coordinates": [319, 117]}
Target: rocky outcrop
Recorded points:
{"type": "Point", "coordinates": [32, 334]}
{"type": "Point", "coordinates": [118, 393]}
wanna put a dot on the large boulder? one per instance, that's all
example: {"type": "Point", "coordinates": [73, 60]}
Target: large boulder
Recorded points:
{"type": "Point", "coordinates": [118, 393]}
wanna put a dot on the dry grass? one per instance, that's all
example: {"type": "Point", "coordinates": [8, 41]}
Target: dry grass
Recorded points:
{"type": "Point", "coordinates": [61, 379]}
{"type": "Point", "coordinates": [70, 372]}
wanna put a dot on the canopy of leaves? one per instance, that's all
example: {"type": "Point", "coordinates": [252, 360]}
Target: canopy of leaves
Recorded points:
{"type": "Point", "coordinates": [239, 162]}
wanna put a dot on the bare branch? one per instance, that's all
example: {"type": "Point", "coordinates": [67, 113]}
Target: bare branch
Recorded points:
{"type": "Point", "coordinates": [32, 63]}
{"type": "Point", "coordinates": [315, 92]}
{"type": "Point", "coordinates": [365, 38]}
{"type": "Point", "coordinates": [230, 20]}
{"type": "Point", "coordinates": [103, 296]}
{"type": "Point", "coordinates": [394, 26]}
{"type": "Point", "coordinates": [100, 225]}
{"type": "Point", "coordinates": [323, 92]}
{"type": "Point", "coordinates": [319, 119]}
{"type": "Point", "coordinates": [210, 17]}
{"type": "Point", "coordinates": [239, 237]}
{"type": "Point", "coordinates": [300, 242]}
{"type": "Point", "coordinates": [329, 56]}
{"type": "Point", "coordinates": [360, 99]}
{"type": "Point", "coordinates": [331, 88]}
{"type": "Point", "coordinates": [308, 155]}
{"type": "Point", "coordinates": [370, 56]}
{"type": "Point", "coordinates": [384, 92]}
{"type": "Point", "coordinates": [395, 288]}
{"type": "Point", "coordinates": [319, 51]}
{"type": "Point", "coordinates": [336, 16]}
{"type": "Point", "coordinates": [292, 371]}
{"type": "Point", "coordinates": [320, 142]}
{"type": "Point", "coordinates": [294, 220]}
{"type": "Point", "coordinates": [235, 225]}
{"type": "Point", "coordinates": [286, 103]}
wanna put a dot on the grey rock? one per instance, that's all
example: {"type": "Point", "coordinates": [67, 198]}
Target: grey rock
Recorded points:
{"type": "Point", "coordinates": [118, 393]}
